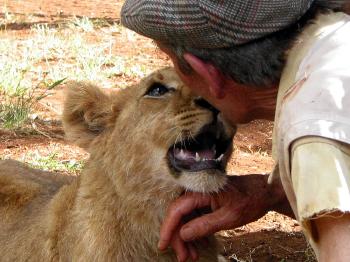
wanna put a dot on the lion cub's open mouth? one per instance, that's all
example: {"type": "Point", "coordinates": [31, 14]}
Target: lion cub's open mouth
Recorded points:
{"type": "Point", "coordinates": [207, 150]}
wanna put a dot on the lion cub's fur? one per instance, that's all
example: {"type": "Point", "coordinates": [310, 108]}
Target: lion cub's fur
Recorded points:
{"type": "Point", "coordinates": [113, 210]}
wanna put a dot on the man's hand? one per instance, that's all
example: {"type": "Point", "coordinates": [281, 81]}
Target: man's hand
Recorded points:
{"type": "Point", "coordinates": [244, 200]}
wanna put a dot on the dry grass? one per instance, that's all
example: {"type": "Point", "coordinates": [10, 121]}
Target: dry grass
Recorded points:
{"type": "Point", "coordinates": [44, 55]}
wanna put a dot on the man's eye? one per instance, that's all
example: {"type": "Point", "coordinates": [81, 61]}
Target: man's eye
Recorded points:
{"type": "Point", "coordinates": [157, 89]}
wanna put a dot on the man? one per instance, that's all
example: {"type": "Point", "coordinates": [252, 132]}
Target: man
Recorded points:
{"type": "Point", "coordinates": [270, 59]}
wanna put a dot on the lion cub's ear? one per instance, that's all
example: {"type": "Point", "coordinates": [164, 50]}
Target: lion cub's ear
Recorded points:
{"type": "Point", "coordinates": [87, 112]}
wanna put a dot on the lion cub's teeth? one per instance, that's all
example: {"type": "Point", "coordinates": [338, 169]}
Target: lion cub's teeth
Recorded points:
{"type": "Point", "coordinates": [198, 158]}
{"type": "Point", "coordinates": [180, 155]}
{"type": "Point", "coordinates": [220, 157]}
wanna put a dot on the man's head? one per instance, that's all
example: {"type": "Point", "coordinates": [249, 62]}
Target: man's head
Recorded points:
{"type": "Point", "coordinates": [237, 43]}
{"type": "Point", "coordinates": [246, 40]}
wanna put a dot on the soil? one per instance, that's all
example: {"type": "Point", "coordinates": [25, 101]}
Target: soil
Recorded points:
{"type": "Point", "coordinates": [272, 238]}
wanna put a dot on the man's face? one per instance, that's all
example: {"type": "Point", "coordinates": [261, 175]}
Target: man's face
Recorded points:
{"type": "Point", "coordinates": [233, 103]}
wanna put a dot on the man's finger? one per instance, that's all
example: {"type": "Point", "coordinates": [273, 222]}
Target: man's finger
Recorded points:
{"type": "Point", "coordinates": [193, 251]}
{"type": "Point", "coordinates": [181, 250]}
{"type": "Point", "coordinates": [222, 218]}
{"type": "Point", "coordinates": [184, 205]}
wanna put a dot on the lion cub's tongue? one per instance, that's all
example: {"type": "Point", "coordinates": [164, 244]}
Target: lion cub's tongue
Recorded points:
{"type": "Point", "coordinates": [186, 155]}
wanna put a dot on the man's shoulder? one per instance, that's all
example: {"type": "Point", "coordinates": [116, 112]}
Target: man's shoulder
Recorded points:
{"type": "Point", "coordinates": [314, 82]}
{"type": "Point", "coordinates": [328, 33]}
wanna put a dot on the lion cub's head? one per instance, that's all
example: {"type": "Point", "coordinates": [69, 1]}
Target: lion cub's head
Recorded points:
{"type": "Point", "coordinates": [156, 130]}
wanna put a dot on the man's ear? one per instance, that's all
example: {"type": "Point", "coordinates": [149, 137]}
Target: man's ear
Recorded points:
{"type": "Point", "coordinates": [87, 112]}
{"type": "Point", "coordinates": [209, 73]}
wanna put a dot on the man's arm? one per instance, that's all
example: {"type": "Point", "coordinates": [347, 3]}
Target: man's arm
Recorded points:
{"type": "Point", "coordinates": [244, 200]}
{"type": "Point", "coordinates": [333, 237]}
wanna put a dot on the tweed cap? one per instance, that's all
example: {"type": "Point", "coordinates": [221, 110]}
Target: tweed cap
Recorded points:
{"type": "Point", "coordinates": [210, 23]}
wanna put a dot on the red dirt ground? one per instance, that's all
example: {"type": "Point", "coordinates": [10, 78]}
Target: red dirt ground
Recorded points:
{"type": "Point", "coordinates": [272, 238]}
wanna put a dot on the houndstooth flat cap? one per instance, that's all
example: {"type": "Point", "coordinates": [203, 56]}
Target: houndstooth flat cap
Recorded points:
{"type": "Point", "coordinates": [210, 23]}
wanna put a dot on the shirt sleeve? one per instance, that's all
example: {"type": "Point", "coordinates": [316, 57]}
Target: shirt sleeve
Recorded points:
{"type": "Point", "coordinates": [320, 170]}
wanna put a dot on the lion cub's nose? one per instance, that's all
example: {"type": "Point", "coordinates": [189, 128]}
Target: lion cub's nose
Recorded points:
{"type": "Point", "coordinates": [205, 104]}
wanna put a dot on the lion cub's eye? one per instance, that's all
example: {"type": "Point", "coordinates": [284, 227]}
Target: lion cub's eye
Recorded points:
{"type": "Point", "coordinates": [157, 90]}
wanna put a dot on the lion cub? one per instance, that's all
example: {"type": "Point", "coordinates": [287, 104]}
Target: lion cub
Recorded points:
{"type": "Point", "coordinates": [147, 144]}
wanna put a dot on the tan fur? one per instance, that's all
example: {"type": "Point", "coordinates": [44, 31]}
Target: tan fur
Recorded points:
{"type": "Point", "coordinates": [113, 210]}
